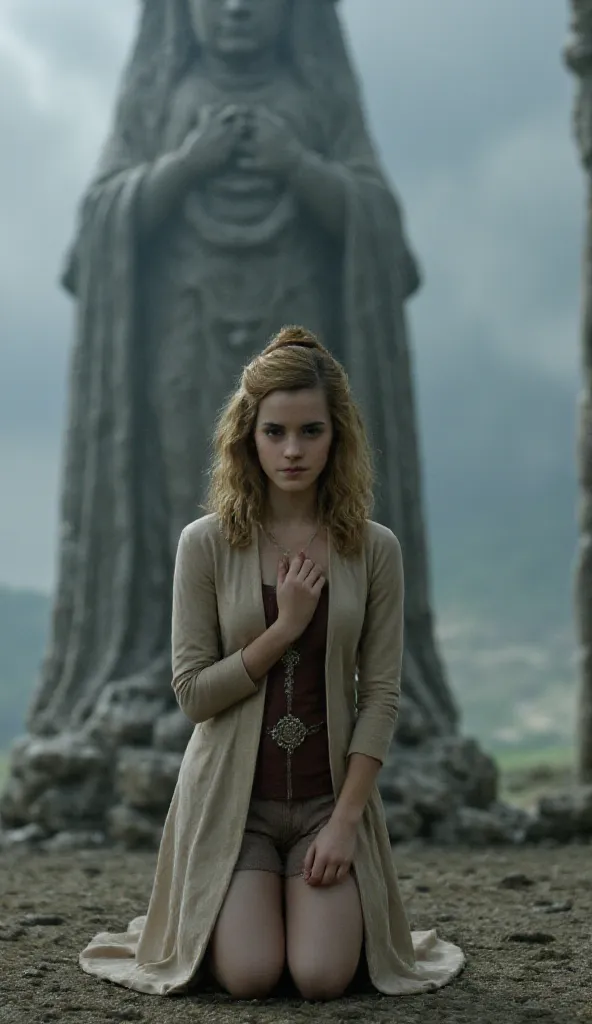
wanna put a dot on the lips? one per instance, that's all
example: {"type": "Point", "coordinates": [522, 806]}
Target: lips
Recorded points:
{"type": "Point", "coordinates": [293, 472]}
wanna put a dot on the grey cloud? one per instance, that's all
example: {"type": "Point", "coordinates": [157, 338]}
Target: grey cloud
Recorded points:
{"type": "Point", "coordinates": [502, 247]}
{"type": "Point", "coordinates": [455, 74]}
{"type": "Point", "coordinates": [79, 39]}
{"type": "Point", "coordinates": [471, 106]}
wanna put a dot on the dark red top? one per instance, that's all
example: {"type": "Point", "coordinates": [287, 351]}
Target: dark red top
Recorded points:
{"type": "Point", "coordinates": [293, 758]}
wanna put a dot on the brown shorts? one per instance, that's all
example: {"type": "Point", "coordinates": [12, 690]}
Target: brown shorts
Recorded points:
{"type": "Point", "coordinates": [277, 834]}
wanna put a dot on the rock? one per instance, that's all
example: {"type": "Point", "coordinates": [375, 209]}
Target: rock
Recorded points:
{"type": "Point", "coordinates": [403, 822]}
{"type": "Point", "coordinates": [471, 827]}
{"type": "Point", "coordinates": [146, 778]}
{"type": "Point", "coordinates": [442, 781]}
{"type": "Point", "coordinates": [11, 933]}
{"type": "Point", "coordinates": [15, 800]}
{"type": "Point", "coordinates": [71, 807]}
{"type": "Point", "coordinates": [60, 758]}
{"type": "Point", "coordinates": [548, 953]}
{"type": "Point", "coordinates": [473, 773]}
{"type": "Point", "coordinates": [514, 821]}
{"type": "Point", "coordinates": [563, 816]}
{"type": "Point", "coordinates": [56, 782]}
{"type": "Point", "coordinates": [431, 797]}
{"type": "Point", "coordinates": [41, 920]}
{"type": "Point", "coordinates": [173, 731]}
{"type": "Point", "coordinates": [14, 804]}
{"type": "Point", "coordinates": [533, 938]}
{"type": "Point", "coordinates": [125, 714]}
{"type": "Point", "coordinates": [516, 880]}
{"type": "Point", "coordinates": [439, 776]}
{"type": "Point", "coordinates": [582, 809]}
{"type": "Point", "coordinates": [133, 829]}
{"type": "Point", "coordinates": [61, 787]}
{"type": "Point", "coordinates": [412, 726]}
{"type": "Point", "coordinates": [555, 818]}
{"type": "Point", "coordinates": [554, 908]}
{"type": "Point", "coordinates": [70, 842]}
{"type": "Point", "coordinates": [20, 838]}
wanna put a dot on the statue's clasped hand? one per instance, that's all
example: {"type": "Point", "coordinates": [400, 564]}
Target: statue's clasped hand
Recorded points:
{"type": "Point", "coordinates": [267, 143]}
{"type": "Point", "coordinates": [210, 145]}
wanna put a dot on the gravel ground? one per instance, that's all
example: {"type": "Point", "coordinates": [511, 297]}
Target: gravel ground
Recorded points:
{"type": "Point", "coordinates": [523, 916]}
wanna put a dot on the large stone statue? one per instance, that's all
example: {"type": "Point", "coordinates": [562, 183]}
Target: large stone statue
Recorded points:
{"type": "Point", "coordinates": [579, 59]}
{"type": "Point", "coordinates": [239, 190]}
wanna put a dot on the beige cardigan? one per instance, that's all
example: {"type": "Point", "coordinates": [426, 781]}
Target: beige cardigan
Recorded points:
{"type": "Point", "coordinates": [218, 610]}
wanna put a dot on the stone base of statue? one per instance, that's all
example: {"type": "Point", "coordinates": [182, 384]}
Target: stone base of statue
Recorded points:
{"type": "Point", "coordinates": [111, 784]}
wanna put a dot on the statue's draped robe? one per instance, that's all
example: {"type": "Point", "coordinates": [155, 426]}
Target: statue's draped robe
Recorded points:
{"type": "Point", "coordinates": [155, 360]}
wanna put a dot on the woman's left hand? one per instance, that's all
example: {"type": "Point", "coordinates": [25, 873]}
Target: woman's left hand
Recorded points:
{"type": "Point", "coordinates": [330, 855]}
{"type": "Point", "coordinates": [269, 145]}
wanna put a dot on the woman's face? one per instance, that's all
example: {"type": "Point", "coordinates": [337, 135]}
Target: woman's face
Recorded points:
{"type": "Point", "coordinates": [293, 435]}
{"type": "Point", "coordinates": [235, 28]}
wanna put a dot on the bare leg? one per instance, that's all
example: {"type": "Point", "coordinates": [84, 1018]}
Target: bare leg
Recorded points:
{"type": "Point", "coordinates": [324, 932]}
{"type": "Point", "coordinates": [247, 951]}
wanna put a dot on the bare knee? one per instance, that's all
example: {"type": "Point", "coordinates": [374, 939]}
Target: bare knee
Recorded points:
{"type": "Point", "coordinates": [250, 980]}
{"type": "Point", "coordinates": [248, 971]}
{"type": "Point", "coordinates": [319, 983]}
{"type": "Point", "coordinates": [247, 950]}
{"type": "Point", "coordinates": [324, 938]}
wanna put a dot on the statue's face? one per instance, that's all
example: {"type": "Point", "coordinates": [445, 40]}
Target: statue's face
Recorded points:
{"type": "Point", "coordinates": [236, 28]}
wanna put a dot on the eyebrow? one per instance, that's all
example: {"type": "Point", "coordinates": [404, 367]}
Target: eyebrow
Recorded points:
{"type": "Point", "coordinates": [313, 423]}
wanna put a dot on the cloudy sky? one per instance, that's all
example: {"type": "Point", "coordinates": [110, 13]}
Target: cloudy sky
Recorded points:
{"type": "Point", "coordinates": [471, 107]}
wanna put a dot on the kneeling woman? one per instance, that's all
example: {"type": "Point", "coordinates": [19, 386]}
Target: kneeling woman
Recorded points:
{"type": "Point", "coordinates": [287, 646]}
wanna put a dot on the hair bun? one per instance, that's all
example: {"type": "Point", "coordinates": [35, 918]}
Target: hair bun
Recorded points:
{"type": "Point", "coordinates": [293, 334]}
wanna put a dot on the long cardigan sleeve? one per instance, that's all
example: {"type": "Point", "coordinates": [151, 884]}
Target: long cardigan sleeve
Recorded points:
{"type": "Point", "coordinates": [205, 682]}
{"type": "Point", "coordinates": [380, 653]}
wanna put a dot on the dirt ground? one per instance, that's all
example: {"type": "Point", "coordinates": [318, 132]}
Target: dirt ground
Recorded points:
{"type": "Point", "coordinates": [523, 917]}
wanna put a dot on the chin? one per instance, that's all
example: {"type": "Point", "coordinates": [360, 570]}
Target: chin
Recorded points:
{"type": "Point", "coordinates": [286, 484]}
{"type": "Point", "coordinates": [301, 483]}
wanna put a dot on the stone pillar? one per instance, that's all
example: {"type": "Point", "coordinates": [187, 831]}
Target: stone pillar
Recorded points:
{"type": "Point", "coordinates": [578, 55]}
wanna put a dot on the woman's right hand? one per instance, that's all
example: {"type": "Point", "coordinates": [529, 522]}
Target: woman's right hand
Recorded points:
{"type": "Point", "coordinates": [209, 146]}
{"type": "Point", "coordinates": [299, 588]}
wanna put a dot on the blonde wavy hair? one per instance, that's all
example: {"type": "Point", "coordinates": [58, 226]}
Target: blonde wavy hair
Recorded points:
{"type": "Point", "coordinates": [292, 361]}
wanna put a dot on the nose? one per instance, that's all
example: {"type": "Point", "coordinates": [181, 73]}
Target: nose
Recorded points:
{"type": "Point", "coordinates": [293, 449]}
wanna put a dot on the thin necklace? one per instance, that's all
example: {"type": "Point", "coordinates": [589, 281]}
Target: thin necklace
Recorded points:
{"type": "Point", "coordinates": [286, 552]}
